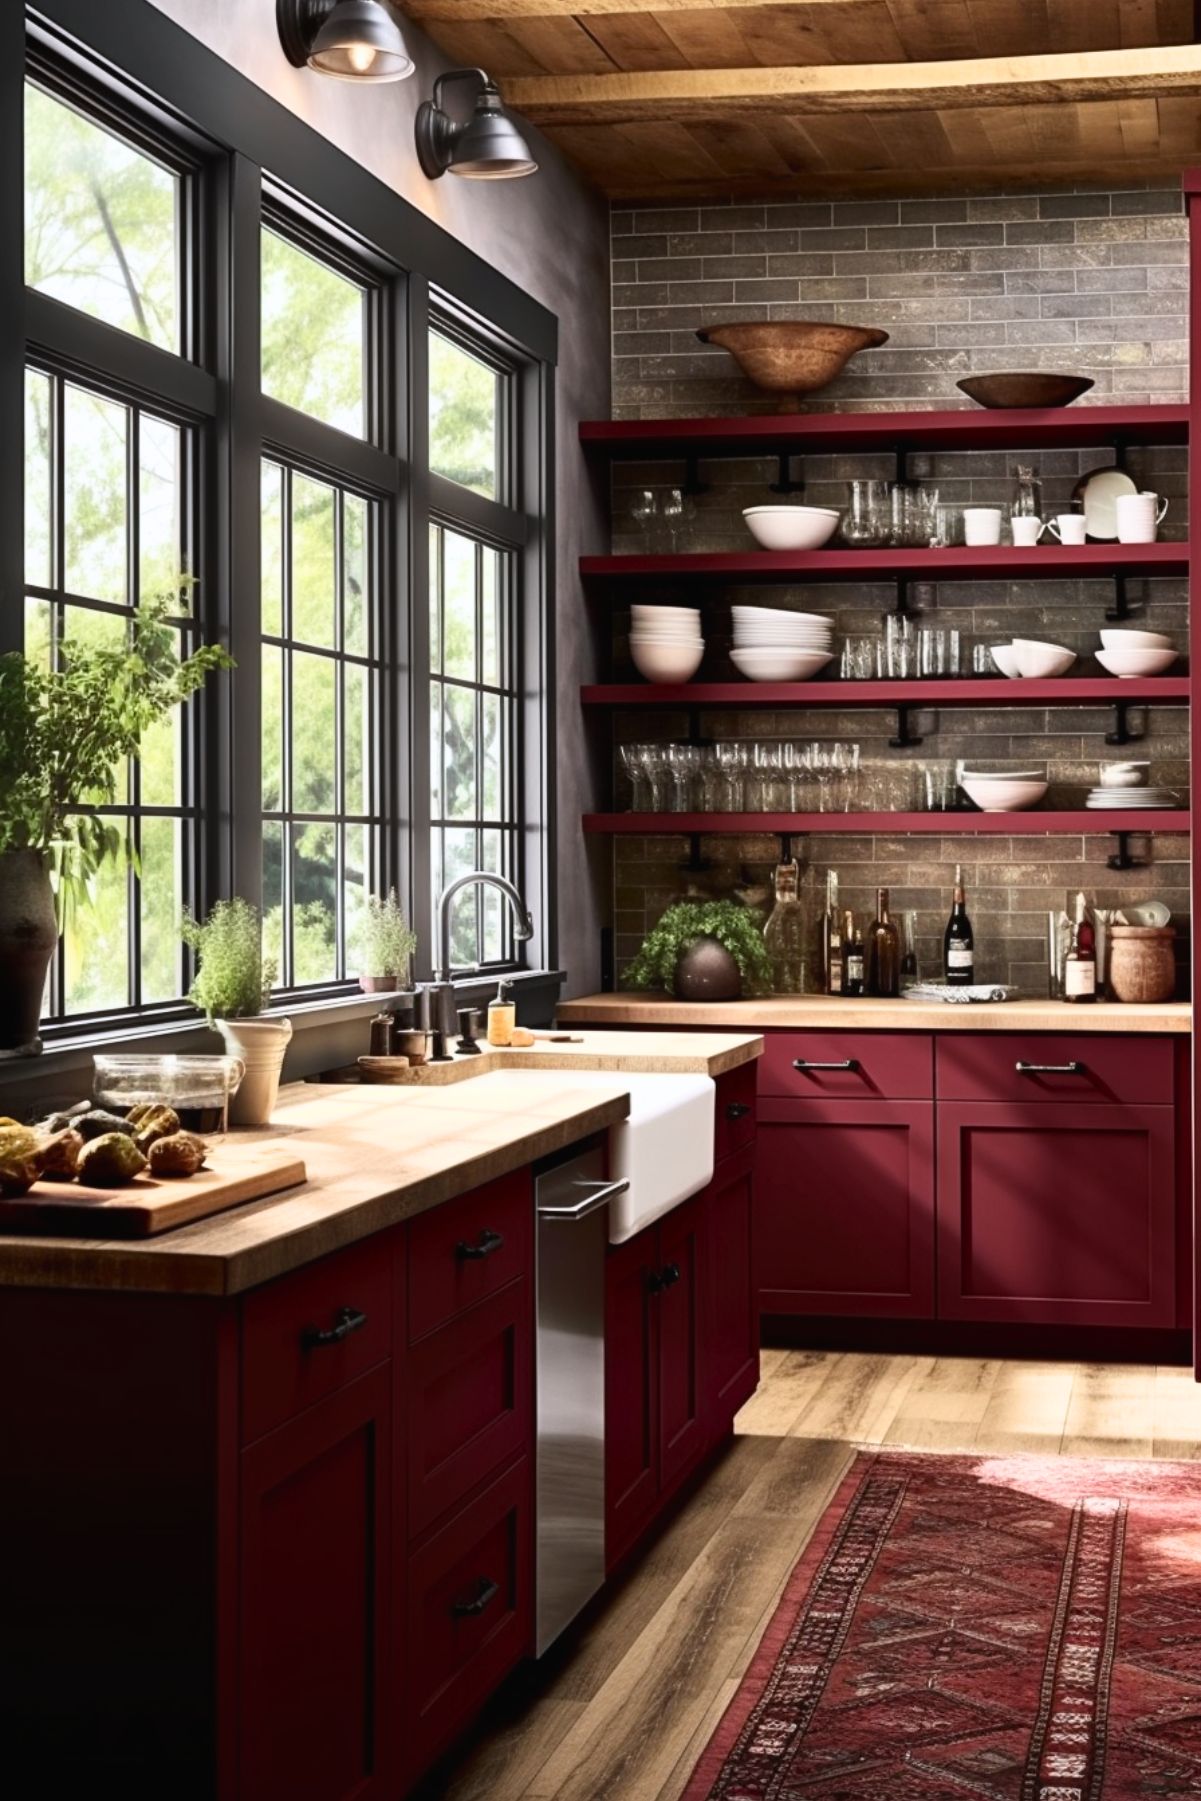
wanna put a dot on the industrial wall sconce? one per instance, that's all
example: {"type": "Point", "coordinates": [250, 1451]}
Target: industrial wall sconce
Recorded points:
{"type": "Point", "coordinates": [353, 40]}
{"type": "Point", "coordinates": [486, 147]}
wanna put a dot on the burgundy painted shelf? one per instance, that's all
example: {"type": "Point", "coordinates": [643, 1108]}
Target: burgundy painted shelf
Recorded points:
{"type": "Point", "coordinates": [961, 562]}
{"type": "Point", "coordinates": [950, 825]}
{"type": "Point", "coordinates": [1170, 690]}
{"type": "Point", "coordinates": [965, 429]}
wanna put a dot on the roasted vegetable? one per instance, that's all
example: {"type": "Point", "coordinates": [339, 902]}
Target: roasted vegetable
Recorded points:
{"type": "Point", "coordinates": [110, 1161]}
{"type": "Point", "coordinates": [151, 1120]}
{"type": "Point", "coordinates": [181, 1154]}
{"type": "Point", "coordinates": [18, 1159]}
{"type": "Point", "coordinates": [96, 1123]}
{"type": "Point", "coordinates": [58, 1155]}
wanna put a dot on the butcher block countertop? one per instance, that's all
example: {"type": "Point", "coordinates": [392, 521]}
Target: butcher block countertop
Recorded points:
{"type": "Point", "coordinates": [803, 1012]}
{"type": "Point", "coordinates": [376, 1156]}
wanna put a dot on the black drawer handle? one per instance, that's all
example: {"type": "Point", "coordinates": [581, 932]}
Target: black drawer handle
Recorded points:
{"type": "Point", "coordinates": [737, 1109]}
{"type": "Point", "coordinates": [804, 1063]}
{"type": "Point", "coordinates": [485, 1593]}
{"type": "Point", "coordinates": [1050, 1069]}
{"type": "Point", "coordinates": [346, 1321]}
{"type": "Point", "coordinates": [667, 1277]}
{"type": "Point", "coordinates": [484, 1246]}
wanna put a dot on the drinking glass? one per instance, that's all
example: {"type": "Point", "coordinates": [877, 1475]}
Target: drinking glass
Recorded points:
{"type": "Point", "coordinates": [729, 787]}
{"type": "Point", "coordinates": [900, 647]}
{"type": "Point", "coordinates": [982, 663]}
{"type": "Point", "coordinates": [634, 762]}
{"type": "Point", "coordinates": [938, 651]}
{"type": "Point", "coordinates": [936, 793]}
{"type": "Point", "coordinates": [922, 515]}
{"type": "Point", "coordinates": [864, 524]}
{"type": "Point", "coordinates": [644, 509]}
{"type": "Point", "coordinates": [658, 776]}
{"type": "Point", "coordinates": [681, 764]}
{"type": "Point", "coordinates": [858, 662]}
{"type": "Point", "coordinates": [677, 510]}
{"type": "Point", "coordinates": [947, 527]}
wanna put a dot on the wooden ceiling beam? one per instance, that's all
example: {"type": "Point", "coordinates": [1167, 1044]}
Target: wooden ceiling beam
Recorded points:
{"type": "Point", "coordinates": [502, 10]}
{"type": "Point", "coordinates": [684, 94]}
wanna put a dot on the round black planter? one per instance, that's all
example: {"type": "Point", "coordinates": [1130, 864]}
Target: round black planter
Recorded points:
{"type": "Point", "coordinates": [28, 935]}
{"type": "Point", "coordinates": [707, 972]}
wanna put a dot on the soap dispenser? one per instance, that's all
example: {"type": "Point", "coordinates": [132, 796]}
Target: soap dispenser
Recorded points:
{"type": "Point", "coordinates": [502, 1015]}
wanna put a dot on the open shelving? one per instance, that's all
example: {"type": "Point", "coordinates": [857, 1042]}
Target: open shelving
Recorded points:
{"type": "Point", "coordinates": [946, 825]}
{"type": "Point", "coordinates": [957, 563]}
{"type": "Point", "coordinates": [986, 691]}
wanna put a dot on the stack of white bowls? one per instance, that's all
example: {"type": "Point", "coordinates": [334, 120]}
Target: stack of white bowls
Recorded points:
{"type": "Point", "coordinates": [771, 645]}
{"type": "Point", "coordinates": [666, 642]}
{"type": "Point", "coordinates": [1128, 652]}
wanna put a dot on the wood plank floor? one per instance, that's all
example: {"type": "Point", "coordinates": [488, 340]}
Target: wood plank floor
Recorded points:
{"type": "Point", "coordinates": [621, 1711]}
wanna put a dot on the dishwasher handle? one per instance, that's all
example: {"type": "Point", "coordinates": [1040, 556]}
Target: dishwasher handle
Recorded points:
{"type": "Point", "coordinates": [600, 1193]}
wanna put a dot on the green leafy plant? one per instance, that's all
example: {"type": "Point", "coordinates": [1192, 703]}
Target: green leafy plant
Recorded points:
{"type": "Point", "coordinates": [383, 938]}
{"type": "Point", "coordinates": [67, 731]}
{"type": "Point", "coordinates": [682, 925]}
{"type": "Point", "coordinates": [234, 980]}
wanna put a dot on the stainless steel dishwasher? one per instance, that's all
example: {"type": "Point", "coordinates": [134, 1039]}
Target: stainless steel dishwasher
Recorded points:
{"type": "Point", "coordinates": [572, 1196]}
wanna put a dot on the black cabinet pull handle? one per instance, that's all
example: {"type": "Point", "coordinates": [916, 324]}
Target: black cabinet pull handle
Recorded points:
{"type": "Point", "coordinates": [737, 1109]}
{"type": "Point", "coordinates": [1050, 1069]}
{"type": "Point", "coordinates": [487, 1242]}
{"type": "Point", "coordinates": [486, 1592]}
{"type": "Point", "coordinates": [670, 1276]}
{"type": "Point", "coordinates": [804, 1063]}
{"type": "Point", "coordinates": [346, 1321]}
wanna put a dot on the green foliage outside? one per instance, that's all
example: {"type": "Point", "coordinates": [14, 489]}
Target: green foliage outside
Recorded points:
{"type": "Point", "coordinates": [682, 925]}
{"type": "Point", "coordinates": [234, 980]}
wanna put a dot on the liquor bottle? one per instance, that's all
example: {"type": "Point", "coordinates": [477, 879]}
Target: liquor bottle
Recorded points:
{"type": "Point", "coordinates": [958, 944]}
{"type": "Point", "coordinates": [784, 933]}
{"type": "Point", "coordinates": [1080, 964]}
{"type": "Point", "coordinates": [835, 974]}
{"type": "Point", "coordinates": [829, 923]}
{"type": "Point", "coordinates": [883, 952]}
{"type": "Point", "coordinates": [852, 957]}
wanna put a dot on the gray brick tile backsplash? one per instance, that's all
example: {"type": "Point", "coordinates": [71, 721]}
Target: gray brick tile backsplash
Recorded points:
{"type": "Point", "coordinates": [1086, 281]}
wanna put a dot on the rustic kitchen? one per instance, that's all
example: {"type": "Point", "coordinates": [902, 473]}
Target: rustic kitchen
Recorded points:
{"type": "Point", "coordinates": [597, 1178]}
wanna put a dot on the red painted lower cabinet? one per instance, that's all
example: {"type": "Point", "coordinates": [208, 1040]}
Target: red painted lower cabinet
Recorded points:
{"type": "Point", "coordinates": [1057, 1214]}
{"type": "Point", "coordinates": [844, 1220]}
{"type": "Point", "coordinates": [631, 1390]}
{"type": "Point", "coordinates": [731, 1321]}
{"type": "Point", "coordinates": [683, 1413]}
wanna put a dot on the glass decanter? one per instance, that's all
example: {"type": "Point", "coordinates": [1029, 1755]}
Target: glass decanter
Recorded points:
{"type": "Point", "coordinates": [784, 933]}
{"type": "Point", "coordinates": [1027, 498]}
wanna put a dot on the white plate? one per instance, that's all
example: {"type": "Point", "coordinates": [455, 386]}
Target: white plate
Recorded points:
{"type": "Point", "coordinates": [1099, 490]}
{"type": "Point", "coordinates": [745, 612]}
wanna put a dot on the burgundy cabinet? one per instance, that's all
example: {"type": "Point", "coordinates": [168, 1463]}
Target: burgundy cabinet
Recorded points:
{"type": "Point", "coordinates": [847, 1066]}
{"type": "Point", "coordinates": [314, 1613]}
{"type": "Point", "coordinates": [844, 1220]}
{"type": "Point", "coordinates": [631, 1390]}
{"type": "Point", "coordinates": [731, 1320]}
{"type": "Point", "coordinates": [1057, 1214]}
{"type": "Point", "coordinates": [683, 1416]}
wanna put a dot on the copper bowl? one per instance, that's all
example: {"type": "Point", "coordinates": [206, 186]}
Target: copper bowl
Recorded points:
{"type": "Point", "coordinates": [1028, 390]}
{"type": "Point", "coordinates": [792, 356]}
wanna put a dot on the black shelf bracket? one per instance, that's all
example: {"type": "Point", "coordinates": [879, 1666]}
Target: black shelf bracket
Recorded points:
{"type": "Point", "coordinates": [692, 480]}
{"type": "Point", "coordinates": [1121, 733]}
{"type": "Point", "coordinates": [784, 483]}
{"type": "Point", "coordinates": [786, 847]}
{"type": "Point", "coordinates": [1121, 608]}
{"type": "Point", "coordinates": [1121, 858]}
{"type": "Point", "coordinates": [904, 739]}
{"type": "Point", "coordinates": [695, 863]}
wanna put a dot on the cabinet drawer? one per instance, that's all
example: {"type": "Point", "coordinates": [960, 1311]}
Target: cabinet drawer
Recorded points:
{"type": "Point", "coordinates": [1088, 1068]}
{"type": "Point", "coordinates": [468, 1249]}
{"type": "Point", "coordinates": [286, 1367]}
{"type": "Point", "coordinates": [469, 1613]}
{"type": "Point", "coordinates": [470, 1401]}
{"type": "Point", "coordinates": [848, 1066]}
{"type": "Point", "coordinates": [735, 1119]}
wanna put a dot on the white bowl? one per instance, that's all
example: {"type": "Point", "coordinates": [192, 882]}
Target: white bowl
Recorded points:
{"type": "Point", "coordinates": [1124, 775]}
{"type": "Point", "coordinates": [1003, 794]}
{"type": "Point", "coordinates": [1126, 638]}
{"type": "Point", "coordinates": [1038, 662]}
{"type": "Point", "coordinates": [790, 528]}
{"type": "Point", "coordinates": [792, 640]}
{"type": "Point", "coordinates": [1125, 663]}
{"type": "Point", "coordinates": [776, 507]}
{"type": "Point", "coordinates": [681, 616]}
{"type": "Point", "coordinates": [779, 665]}
{"type": "Point", "coordinates": [753, 613]}
{"type": "Point", "coordinates": [667, 663]}
{"type": "Point", "coordinates": [661, 635]}
{"type": "Point", "coordinates": [1006, 659]}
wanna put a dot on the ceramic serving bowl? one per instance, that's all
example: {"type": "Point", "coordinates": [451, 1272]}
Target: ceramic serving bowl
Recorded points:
{"type": "Point", "coordinates": [791, 528]}
{"type": "Point", "coordinates": [1006, 659]}
{"type": "Point", "coordinates": [780, 665]}
{"type": "Point", "coordinates": [1126, 638]}
{"type": "Point", "coordinates": [792, 356]}
{"type": "Point", "coordinates": [1127, 663]}
{"type": "Point", "coordinates": [1039, 662]}
{"type": "Point", "coordinates": [1003, 794]}
{"type": "Point", "coordinates": [666, 662]}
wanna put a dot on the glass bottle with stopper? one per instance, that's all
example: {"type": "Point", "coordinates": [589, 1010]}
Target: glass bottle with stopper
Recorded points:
{"type": "Point", "coordinates": [784, 933]}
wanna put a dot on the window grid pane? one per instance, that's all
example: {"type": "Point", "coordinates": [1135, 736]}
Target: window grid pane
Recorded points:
{"type": "Point", "coordinates": [465, 418]}
{"type": "Point", "coordinates": [314, 324]}
{"type": "Point", "coordinates": [320, 707]}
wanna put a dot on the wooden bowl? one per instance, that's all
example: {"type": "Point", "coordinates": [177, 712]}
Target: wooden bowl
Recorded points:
{"type": "Point", "coordinates": [1033, 389]}
{"type": "Point", "coordinates": [792, 356]}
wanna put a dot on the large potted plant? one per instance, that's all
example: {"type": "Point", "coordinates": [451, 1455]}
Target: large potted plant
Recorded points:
{"type": "Point", "coordinates": [66, 734]}
{"type": "Point", "coordinates": [233, 988]}
{"type": "Point", "coordinates": [384, 943]}
{"type": "Point", "coordinates": [703, 951]}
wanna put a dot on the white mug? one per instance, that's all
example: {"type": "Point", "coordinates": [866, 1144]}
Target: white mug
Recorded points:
{"type": "Point", "coordinates": [1027, 529]}
{"type": "Point", "coordinates": [1138, 517]}
{"type": "Point", "coordinates": [1067, 527]}
{"type": "Point", "coordinates": [982, 525]}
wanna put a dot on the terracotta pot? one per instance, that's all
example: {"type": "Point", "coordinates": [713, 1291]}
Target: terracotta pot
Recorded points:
{"type": "Point", "coordinates": [261, 1044]}
{"type": "Point", "coordinates": [28, 935]}
{"type": "Point", "coordinates": [792, 356]}
{"type": "Point", "coordinates": [378, 984]}
{"type": "Point", "coordinates": [707, 972]}
{"type": "Point", "coordinates": [1142, 963]}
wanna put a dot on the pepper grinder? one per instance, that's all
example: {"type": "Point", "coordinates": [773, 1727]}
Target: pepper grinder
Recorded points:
{"type": "Point", "coordinates": [469, 1025]}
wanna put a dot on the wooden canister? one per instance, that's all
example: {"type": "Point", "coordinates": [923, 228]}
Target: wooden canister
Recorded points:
{"type": "Point", "coordinates": [1142, 963]}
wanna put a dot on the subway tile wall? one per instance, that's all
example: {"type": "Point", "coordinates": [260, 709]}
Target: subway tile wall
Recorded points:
{"type": "Point", "coordinates": [1091, 282]}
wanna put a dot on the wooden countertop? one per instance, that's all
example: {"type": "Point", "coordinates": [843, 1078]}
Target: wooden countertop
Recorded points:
{"type": "Point", "coordinates": [804, 1011]}
{"type": "Point", "coordinates": [376, 1156]}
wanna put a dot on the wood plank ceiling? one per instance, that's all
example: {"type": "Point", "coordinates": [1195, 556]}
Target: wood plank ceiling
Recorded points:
{"type": "Point", "coordinates": [662, 98]}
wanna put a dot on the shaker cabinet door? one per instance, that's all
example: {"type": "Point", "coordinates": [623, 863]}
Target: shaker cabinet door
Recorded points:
{"type": "Point", "coordinates": [731, 1321]}
{"type": "Point", "coordinates": [631, 1391]}
{"type": "Point", "coordinates": [683, 1415]}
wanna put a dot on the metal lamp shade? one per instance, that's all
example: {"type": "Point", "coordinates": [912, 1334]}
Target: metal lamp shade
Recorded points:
{"type": "Point", "coordinates": [490, 147]}
{"type": "Point", "coordinates": [360, 41]}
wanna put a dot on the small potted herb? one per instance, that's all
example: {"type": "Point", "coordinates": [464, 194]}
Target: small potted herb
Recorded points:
{"type": "Point", "coordinates": [233, 988]}
{"type": "Point", "coordinates": [703, 951]}
{"type": "Point", "coordinates": [384, 943]}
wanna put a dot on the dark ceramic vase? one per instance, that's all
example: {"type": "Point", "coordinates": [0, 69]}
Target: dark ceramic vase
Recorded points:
{"type": "Point", "coordinates": [28, 935]}
{"type": "Point", "coordinates": [707, 972]}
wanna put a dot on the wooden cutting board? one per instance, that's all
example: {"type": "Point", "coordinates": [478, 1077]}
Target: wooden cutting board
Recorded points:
{"type": "Point", "coordinates": [148, 1205]}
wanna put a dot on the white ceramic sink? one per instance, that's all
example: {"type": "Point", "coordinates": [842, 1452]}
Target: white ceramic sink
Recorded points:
{"type": "Point", "coordinates": [664, 1148]}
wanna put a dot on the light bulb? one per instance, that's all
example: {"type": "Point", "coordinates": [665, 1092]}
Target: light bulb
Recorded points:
{"type": "Point", "coordinates": [360, 57]}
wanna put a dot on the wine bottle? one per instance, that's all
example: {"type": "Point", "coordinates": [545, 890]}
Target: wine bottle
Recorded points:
{"type": "Point", "coordinates": [829, 922]}
{"type": "Point", "coordinates": [834, 975]}
{"type": "Point", "coordinates": [1080, 964]}
{"type": "Point", "coordinates": [959, 953]}
{"type": "Point", "coordinates": [852, 957]}
{"type": "Point", "coordinates": [883, 952]}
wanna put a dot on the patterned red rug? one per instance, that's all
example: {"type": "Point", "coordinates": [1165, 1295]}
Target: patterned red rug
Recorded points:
{"type": "Point", "coordinates": [1018, 1629]}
